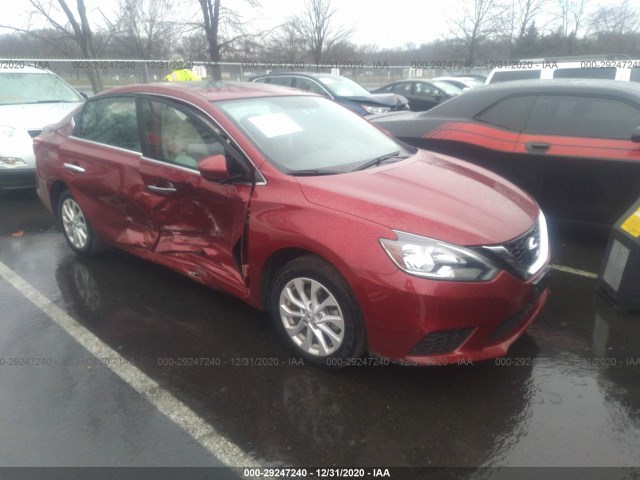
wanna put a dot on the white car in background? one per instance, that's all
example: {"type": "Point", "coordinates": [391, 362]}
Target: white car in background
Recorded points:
{"type": "Point", "coordinates": [30, 99]}
{"type": "Point", "coordinates": [463, 83]}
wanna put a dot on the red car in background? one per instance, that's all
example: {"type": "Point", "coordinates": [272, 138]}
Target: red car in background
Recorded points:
{"type": "Point", "coordinates": [354, 242]}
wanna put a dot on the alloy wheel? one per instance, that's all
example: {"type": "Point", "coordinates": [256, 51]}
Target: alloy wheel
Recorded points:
{"type": "Point", "coordinates": [312, 317]}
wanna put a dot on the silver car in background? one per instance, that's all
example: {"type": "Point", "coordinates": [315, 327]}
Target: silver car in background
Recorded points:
{"type": "Point", "coordinates": [30, 99]}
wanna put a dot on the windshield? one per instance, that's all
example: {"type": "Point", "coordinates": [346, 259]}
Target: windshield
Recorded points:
{"type": "Point", "coordinates": [447, 87]}
{"type": "Point", "coordinates": [21, 87]}
{"type": "Point", "coordinates": [343, 87]}
{"type": "Point", "coordinates": [308, 133]}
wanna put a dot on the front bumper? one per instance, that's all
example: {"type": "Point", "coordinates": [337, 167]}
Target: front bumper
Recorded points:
{"type": "Point", "coordinates": [417, 321]}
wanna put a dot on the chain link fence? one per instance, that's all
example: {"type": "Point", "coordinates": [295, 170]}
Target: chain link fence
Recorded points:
{"type": "Point", "coordinates": [92, 76]}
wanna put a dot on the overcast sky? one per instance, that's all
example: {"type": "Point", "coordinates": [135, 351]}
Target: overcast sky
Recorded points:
{"type": "Point", "coordinates": [385, 23]}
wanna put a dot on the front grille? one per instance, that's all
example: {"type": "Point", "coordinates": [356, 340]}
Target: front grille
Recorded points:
{"type": "Point", "coordinates": [443, 341]}
{"type": "Point", "coordinates": [510, 324]}
{"type": "Point", "coordinates": [521, 248]}
{"type": "Point", "coordinates": [518, 255]}
{"type": "Point", "coordinates": [34, 133]}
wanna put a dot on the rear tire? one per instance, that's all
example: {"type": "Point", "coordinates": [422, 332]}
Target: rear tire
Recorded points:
{"type": "Point", "coordinates": [316, 313]}
{"type": "Point", "coordinates": [77, 230]}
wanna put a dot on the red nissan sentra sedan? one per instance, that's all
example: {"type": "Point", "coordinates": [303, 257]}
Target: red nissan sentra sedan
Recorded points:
{"type": "Point", "coordinates": [353, 241]}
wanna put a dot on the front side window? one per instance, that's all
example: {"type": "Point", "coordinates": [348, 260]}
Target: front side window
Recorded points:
{"type": "Point", "coordinates": [308, 133]}
{"type": "Point", "coordinates": [175, 135]}
{"type": "Point", "coordinates": [579, 116]}
{"type": "Point", "coordinates": [111, 120]}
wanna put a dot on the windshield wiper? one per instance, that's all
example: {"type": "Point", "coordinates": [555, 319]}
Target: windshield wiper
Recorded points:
{"type": "Point", "coordinates": [313, 172]}
{"type": "Point", "coordinates": [380, 160]}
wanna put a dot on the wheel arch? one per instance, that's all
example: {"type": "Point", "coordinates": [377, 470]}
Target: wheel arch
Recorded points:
{"type": "Point", "coordinates": [56, 191]}
{"type": "Point", "coordinates": [273, 264]}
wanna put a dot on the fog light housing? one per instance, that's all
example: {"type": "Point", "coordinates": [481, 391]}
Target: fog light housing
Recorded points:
{"type": "Point", "coordinates": [12, 162]}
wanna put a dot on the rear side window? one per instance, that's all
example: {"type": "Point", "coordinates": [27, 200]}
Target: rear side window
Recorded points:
{"type": "Point", "coordinates": [581, 116]}
{"type": "Point", "coordinates": [603, 73]}
{"type": "Point", "coordinates": [511, 113]}
{"type": "Point", "coordinates": [282, 81]}
{"type": "Point", "coordinates": [112, 121]}
{"type": "Point", "coordinates": [514, 75]}
{"type": "Point", "coordinates": [635, 74]}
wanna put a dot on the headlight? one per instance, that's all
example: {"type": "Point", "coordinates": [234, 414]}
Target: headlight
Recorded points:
{"type": "Point", "coordinates": [543, 251]}
{"type": "Point", "coordinates": [429, 258]}
{"type": "Point", "coordinates": [374, 110]}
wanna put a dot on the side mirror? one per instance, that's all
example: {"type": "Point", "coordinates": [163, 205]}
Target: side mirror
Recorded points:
{"type": "Point", "coordinates": [635, 135]}
{"type": "Point", "coordinates": [214, 168]}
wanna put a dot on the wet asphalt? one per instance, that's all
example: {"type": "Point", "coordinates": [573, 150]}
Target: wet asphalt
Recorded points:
{"type": "Point", "coordinates": [567, 395]}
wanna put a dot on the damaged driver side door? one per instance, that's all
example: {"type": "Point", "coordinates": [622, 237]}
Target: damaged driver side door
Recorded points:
{"type": "Point", "coordinates": [199, 223]}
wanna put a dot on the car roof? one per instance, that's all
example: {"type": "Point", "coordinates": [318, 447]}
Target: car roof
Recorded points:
{"type": "Point", "coordinates": [567, 62]}
{"type": "Point", "coordinates": [27, 69]}
{"type": "Point", "coordinates": [298, 74]}
{"type": "Point", "coordinates": [473, 101]}
{"type": "Point", "coordinates": [457, 79]}
{"type": "Point", "coordinates": [562, 85]}
{"type": "Point", "coordinates": [423, 80]}
{"type": "Point", "coordinates": [209, 90]}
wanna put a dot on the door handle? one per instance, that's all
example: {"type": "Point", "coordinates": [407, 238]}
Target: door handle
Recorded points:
{"type": "Point", "coordinates": [167, 189]}
{"type": "Point", "coordinates": [73, 168]}
{"type": "Point", "coordinates": [537, 146]}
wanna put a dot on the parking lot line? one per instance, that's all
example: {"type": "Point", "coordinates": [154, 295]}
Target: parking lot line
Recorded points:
{"type": "Point", "coordinates": [196, 427]}
{"type": "Point", "coordinates": [575, 271]}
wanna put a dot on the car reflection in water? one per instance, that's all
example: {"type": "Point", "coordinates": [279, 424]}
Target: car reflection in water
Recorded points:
{"type": "Point", "coordinates": [285, 412]}
{"type": "Point", "coordinates": [583, 385]}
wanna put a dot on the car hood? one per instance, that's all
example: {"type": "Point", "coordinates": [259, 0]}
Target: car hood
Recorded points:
{"type": "Point", "coordinates": [383, 99]}
{"type": "Point", "coordinates": [431, 195]}
{"type": "Point", "coordinates": [34, 116]}
{"type": "Point", "coordinates": [394, 116]}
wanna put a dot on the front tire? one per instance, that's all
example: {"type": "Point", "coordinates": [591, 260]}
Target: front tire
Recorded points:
{"type": "Point", "coordinates": [316, 313]}
{"type": "Point", "coordinates": [76, 228]}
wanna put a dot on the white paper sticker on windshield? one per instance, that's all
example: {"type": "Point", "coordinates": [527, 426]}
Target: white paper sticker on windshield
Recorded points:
{"type": "Point", "coordinates": [275, 124]}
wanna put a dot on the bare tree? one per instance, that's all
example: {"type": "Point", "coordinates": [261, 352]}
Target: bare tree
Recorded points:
{"type": "Point", "coordinates": [570, 17]}
{"type": "Point", "coordinates": [479, 22]}
{"type": "Point", "coordinates": [315, 27]}
{"type": "Point", "coordinates": [222, 27]}
{"type": "Point", "coordinates": [517, 19]}
{"type": "Point", "coordinates": [69, 27]}
{"type": "Point", "coordinates": [146, 27]}
{"type": "Point", "coordinates": [287, 44]}
{"type": "Point", "coordinates": [616, 27]}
